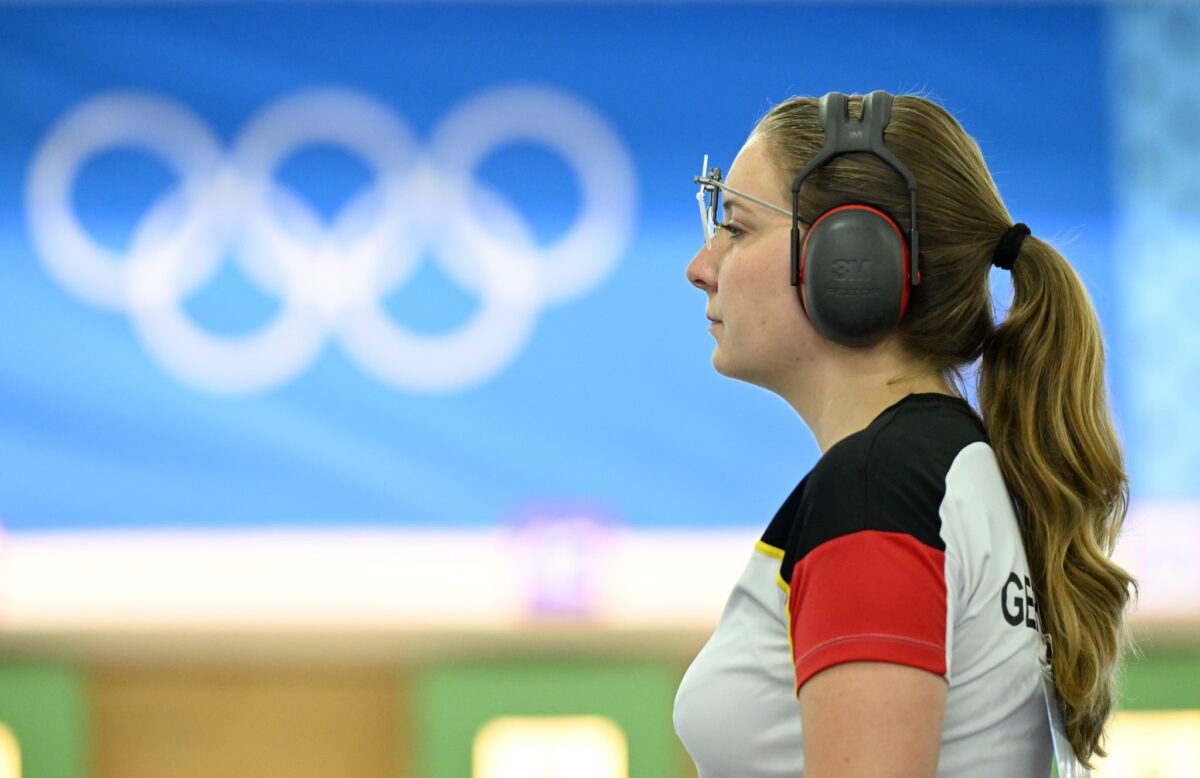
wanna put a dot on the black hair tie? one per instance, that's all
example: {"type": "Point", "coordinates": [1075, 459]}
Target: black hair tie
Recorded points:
{"type": "Point", "coordinates": [1009, 246]}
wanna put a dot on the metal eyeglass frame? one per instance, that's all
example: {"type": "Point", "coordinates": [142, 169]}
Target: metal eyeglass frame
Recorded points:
{"type": "Point", "coordinates": [710, 183]}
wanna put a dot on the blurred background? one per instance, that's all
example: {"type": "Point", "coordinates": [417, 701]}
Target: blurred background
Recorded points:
{"type": "Point", "coordinates": [356, 417]}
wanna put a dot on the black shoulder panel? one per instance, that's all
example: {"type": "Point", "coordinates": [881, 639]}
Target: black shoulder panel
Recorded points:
{"type": "Point", "coordinates": [889, 477]}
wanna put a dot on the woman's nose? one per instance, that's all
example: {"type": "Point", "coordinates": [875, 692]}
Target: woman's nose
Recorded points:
{"type": "Point", "coordinates": [701, 271]}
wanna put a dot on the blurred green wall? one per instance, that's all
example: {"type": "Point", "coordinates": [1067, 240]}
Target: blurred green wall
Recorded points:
{"type": "Point", "coordinates": [45, 707]}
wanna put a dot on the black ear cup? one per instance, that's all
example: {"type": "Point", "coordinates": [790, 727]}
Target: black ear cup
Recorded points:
{"type": "Point", "coordinates": [854, 274]}
{"type": "Point", "coordinates": [856, 268]}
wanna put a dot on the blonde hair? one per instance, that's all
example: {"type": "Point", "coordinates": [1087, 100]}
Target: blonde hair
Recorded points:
{"type": "Point", "coordinates": [1041, 386]}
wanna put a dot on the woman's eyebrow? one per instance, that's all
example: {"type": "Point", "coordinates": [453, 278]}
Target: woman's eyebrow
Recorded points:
{"type": "Point", "coordinates": [745, 207]}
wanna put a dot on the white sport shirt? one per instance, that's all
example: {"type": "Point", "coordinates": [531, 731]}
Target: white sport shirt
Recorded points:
{"type": "Point", "coordinates": [900, 545]}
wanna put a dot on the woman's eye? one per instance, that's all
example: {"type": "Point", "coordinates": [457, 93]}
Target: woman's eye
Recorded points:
{"type": "Point", "coordinates": [731, 229]}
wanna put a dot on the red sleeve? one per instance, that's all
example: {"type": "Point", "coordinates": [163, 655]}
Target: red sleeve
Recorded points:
{"type": "Point", "coordinates": [868, 596]}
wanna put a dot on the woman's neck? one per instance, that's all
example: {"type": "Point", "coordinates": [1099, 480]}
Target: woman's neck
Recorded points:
{"type": "Point", "coordinates": [846, 401]}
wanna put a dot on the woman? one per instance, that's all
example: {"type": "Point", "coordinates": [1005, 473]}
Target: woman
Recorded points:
{"type": "Point", "coordinates": [903, 589]}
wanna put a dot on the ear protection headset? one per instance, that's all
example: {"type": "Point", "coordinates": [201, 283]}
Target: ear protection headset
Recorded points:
{"type": "Point", "coordinates": [855, 268]}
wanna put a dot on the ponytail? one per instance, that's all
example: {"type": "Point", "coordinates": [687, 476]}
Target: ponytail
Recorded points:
{"type": "Point", "coordinates": [1042, 397]}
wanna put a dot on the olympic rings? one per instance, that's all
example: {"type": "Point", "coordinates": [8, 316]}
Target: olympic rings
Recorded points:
{"type": "Point", "coordinates": [331, 278]}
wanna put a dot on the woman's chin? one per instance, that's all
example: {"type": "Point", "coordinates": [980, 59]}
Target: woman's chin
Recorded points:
{"type": "Point", "coordinates": [724, 365]}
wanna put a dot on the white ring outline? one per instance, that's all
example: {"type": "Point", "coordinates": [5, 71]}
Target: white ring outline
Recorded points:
{"type": "Point", "coordinates": [170, 258]}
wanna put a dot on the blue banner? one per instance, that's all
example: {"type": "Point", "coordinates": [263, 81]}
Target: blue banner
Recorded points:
{"type": "Point", "coordinates": [417, 265]}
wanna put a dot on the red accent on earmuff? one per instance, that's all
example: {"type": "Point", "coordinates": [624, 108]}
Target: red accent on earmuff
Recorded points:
{"type": "Point", "coordinates": [899, 234]}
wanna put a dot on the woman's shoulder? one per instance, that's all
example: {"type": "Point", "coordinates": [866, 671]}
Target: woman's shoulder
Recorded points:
{"type": "Point", "coordinates": [892, 474]}
{"type": "Point", "coordinates": [889, 476]}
